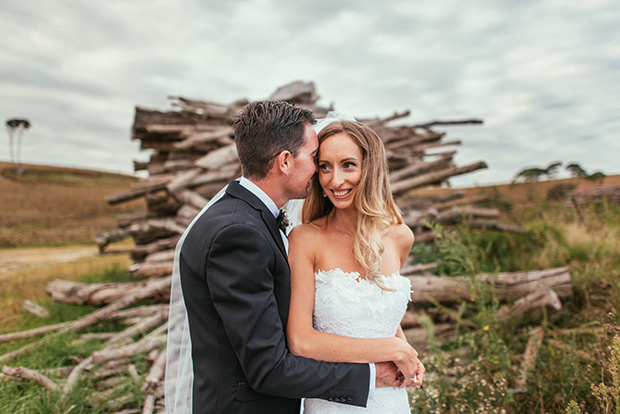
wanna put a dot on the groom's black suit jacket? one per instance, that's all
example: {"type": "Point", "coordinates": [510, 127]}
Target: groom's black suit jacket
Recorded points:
{"type": "Point", "coordinates": [236, 285]}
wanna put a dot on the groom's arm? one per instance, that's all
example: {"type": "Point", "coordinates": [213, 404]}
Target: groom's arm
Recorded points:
{"type": "Point", "coordinates": [242, 289]}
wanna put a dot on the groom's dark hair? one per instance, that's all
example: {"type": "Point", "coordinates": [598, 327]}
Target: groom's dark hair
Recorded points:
{"type": "Point", "coordinates": [266, 128]}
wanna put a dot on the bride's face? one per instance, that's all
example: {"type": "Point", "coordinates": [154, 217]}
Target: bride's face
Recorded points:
{"type": "Point", "coordinates": [340, 169]}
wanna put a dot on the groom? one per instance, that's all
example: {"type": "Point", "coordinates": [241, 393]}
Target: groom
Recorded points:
{"type": "Point", "coordinates": [236, 281]}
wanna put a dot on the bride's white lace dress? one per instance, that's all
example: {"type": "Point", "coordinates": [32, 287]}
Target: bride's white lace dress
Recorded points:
{"type": "Point", "coordinates": [348, 305]}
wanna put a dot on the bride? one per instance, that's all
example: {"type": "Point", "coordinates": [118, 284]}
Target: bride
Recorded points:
{"type": "Point", "coordinates": [345, 262]}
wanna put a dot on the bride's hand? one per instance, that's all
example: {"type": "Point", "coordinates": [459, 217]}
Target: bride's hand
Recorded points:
{"type": "Point", "coordinates": [408, 363]}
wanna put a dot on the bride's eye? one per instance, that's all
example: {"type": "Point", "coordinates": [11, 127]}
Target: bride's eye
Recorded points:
{"type": "Point", "coordinates": [350, 164]}
{"type": "Point", "coordinates": [323, 167]}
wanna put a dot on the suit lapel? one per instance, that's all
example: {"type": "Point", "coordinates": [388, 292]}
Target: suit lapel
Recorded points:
{"type": "Point", "coordinates": [238, 191]}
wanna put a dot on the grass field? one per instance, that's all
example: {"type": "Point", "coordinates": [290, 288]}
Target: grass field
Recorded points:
{"type": "Point", "coordinates": [55, 205]}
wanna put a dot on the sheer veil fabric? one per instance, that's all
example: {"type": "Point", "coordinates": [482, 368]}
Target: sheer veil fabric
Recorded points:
{"type": "Point", "coordinates": [179, 377]}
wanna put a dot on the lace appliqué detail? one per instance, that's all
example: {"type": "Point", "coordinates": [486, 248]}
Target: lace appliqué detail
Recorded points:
{"type": "Point", "coordinates": [346, 304]}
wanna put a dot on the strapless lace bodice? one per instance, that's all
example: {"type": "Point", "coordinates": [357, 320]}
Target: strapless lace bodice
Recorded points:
{"type": "Point", "coordinates": [348, 305]}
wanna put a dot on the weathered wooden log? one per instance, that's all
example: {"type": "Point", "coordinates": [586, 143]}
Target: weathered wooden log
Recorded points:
{"type": "Point", "coordinates": [508, 286]}
{"type": "Point", "coordinates": [115, 367]}
{"type": "Point", "coordinates": [99, 336]}
{"type": "Point", "coordinates": [138, 191]}
{"type": "Point", "coordinates": [105, 238]}
{"type": "Point", "coordinates": [145, 344]}
{"type": "Point", "coordinates": [209, 110]}
{"type": "Point", "coordinates": [31, 333]}
{"type": "Point", "coordinates": [187, 213]}
{"type": "Point", "coordinates": [110, 382]}
{"type": "Point", "coordinates": [154, 288]}
{"type": "Point", "coordinates": [296, 92]}
{"type": "Point", "coordinates": [144, 326]}
{"type": "Point", "coordinates": [218, 158]}
{"type": "Point", "coordinates": [530, 355]}
{"type": "Point", "coordinates": [183, 179]}
{"type": "Point", "coordinates": [211, 189]}
{"type": "Point", "coordinates": [76, 373]}
{"type": "Point", "coordinates": [434, 177]}
{"type": "Point", "coordinates": [133, 217]}
{"type": "Point", "coordinates": [151, 269]}
{"type": "Point", "coordinates": [32, 375]}
{"type": "Point", "coordinates": [35, 309]}
{"type": "Point", "coordinates": [96, 294]}
{"type": "Point", "coordinates": [192, 198]}
{"type": "Point", "coordinates": [139, 252]}
{"type": "Point", "coordinates": [225, 173]}
{"type": "Point", "coordinates": [418, 337]}
{"type": "Point", "coordinates": [138, 311]}
{"type": "Point", "coordinates": [421, 148]}
{"type": "Point", "coordinates": [178, 165]}
{"type": "Point", "coordinates": [380, 123]}
{"type": "Point", "coordinates": [140, 165]}
{"type": "Point", "coordinates": [409, 140]}
{"type": "Point", "coordinates": [166, 224]}
{"type": "Point", "coordinates": [421, 167]}
{"type": "Point", "coordinates": [533, 306]}
{"type": "Point", "coordinates": [427, 125]}
{"type": "Point", "coordinates": [162, 256]}
{"type": "Point", "coordinates": [149, 231]}
{"type": "Point", "coordinates": [152, 381]}
{"type": "Point", "coordinates": [204, 137]}
{"type": "Point", "coordinates": [411, 269]}
{"type": "Point", "coordinates": [161, 203]}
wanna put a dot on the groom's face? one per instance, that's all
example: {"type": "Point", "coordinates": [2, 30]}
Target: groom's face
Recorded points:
{"type": "Point", "coordinates": [304, 165]}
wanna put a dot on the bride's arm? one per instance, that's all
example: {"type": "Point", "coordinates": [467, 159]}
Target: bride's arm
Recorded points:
{"type": "Point", "coordinates": [304, 340]}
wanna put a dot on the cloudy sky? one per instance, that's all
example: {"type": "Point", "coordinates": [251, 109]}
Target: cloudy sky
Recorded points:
{"type": "Point", "coordinates": [543, 75]}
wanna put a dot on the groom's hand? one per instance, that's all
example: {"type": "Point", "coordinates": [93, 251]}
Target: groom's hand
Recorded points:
{"type": "Point", "coordinates": [388, 375]}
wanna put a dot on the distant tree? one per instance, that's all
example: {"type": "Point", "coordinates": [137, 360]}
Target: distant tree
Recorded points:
{"type": "Point", "coordinates": [576, 171]}
{"type": "Point", "coordinates": [16, 126]}
{"type": "Point", "coordinates": [596, 176]}
{"type": "Point", "coordinates": [529, 175]}
{"type": "Point", "coordinates": [552, 170]}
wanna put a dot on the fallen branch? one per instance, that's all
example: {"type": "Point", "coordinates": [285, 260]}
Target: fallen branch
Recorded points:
{"type": "Point", "coordinates": [32, 375]}
{"type": "Point", "coordinates": [35, 309]}
{"type": "Point", "coordinates": [530, 355]}
{"type": "Point", "coordinates": [508, 286]}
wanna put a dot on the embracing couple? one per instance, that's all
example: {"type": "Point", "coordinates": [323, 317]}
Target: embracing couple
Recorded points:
{"type": "Point", "coordinates": [315, 315]}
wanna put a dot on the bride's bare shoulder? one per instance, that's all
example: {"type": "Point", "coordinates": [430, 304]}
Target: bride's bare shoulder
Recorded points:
{"type": "Point", "coordinates": [308, 231]}
{"type": "Point", "coordinates": [401, 233]}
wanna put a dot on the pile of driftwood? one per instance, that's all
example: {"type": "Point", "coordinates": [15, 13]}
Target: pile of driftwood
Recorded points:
{"type": "Point", "coordinates": [193, 156]}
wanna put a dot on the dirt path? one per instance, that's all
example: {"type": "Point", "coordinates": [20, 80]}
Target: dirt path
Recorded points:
{"type": "Point", "coordinates": [24, 258]}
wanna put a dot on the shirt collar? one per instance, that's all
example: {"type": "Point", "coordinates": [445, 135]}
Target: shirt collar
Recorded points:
{"type": "Point", "coordinates": [256, 190]}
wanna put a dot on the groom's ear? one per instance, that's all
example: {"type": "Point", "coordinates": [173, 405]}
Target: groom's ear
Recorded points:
{"type": "Point", "coordinates": [284, 161]}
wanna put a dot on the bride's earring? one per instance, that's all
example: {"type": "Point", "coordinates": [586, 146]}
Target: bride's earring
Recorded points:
{"type": "Point", "coordinates": [324, 195]}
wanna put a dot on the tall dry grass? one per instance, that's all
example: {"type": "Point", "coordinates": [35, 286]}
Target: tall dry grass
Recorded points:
{"type": "Point", "coordinates": [29, 282]}
{"type": "Point", "coordinates": [53, 205]}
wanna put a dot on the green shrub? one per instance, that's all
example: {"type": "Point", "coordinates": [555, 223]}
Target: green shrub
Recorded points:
{"type": "Point", "coordinates": [560, 191]}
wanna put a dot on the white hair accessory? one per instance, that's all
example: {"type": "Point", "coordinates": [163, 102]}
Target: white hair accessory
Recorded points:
{"type": "Point", "coordinates": [332, 116]}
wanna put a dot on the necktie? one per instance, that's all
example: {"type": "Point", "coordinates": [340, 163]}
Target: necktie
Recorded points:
{"type": "Point", "coordinates": [282, 221]}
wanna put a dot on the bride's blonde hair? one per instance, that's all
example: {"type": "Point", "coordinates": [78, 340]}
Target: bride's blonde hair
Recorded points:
{"type": "Point", "coordinates": [373, 200]}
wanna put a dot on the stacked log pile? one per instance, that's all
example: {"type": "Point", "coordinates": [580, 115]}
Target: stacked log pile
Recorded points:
{"type": "Point", "coordinates": [193, 156]}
